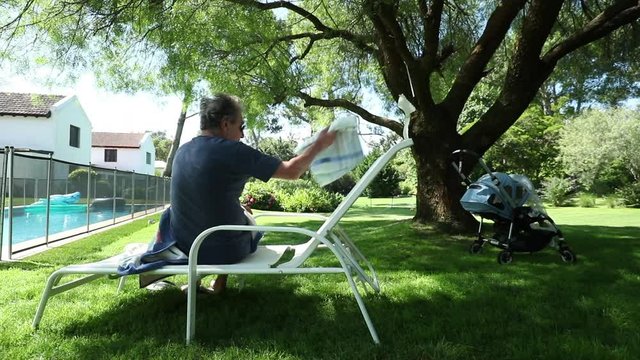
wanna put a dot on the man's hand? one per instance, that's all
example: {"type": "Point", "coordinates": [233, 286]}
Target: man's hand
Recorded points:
{"type": "Point", "coordinates": [326, 138]}
{"type": "Point", "coordinates": [247, 209]}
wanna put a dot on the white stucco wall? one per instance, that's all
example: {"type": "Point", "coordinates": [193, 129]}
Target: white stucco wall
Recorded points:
{"type": "Point", "coordinates": [50, 134]}
{"type": "Point", "coordinates": [128, 159]}
{"type": "Point", "coordinates": [65, 113]}
{"type": "Point", "coordinates": [27, 132]}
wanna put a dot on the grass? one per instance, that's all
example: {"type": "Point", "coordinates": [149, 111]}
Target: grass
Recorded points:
{"type": "Point", "coordinates": [437, 300]}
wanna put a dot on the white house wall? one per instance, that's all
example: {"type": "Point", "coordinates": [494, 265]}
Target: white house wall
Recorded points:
{"type": "Point", "coordinates": [146, 145]}
{"type": "Point", "coordinates": [128, 159]}
{"type": "Point", "coordinates": [27, 132]}
{"type": "Point", "coordinates": [65, 113]}
{"type": "Point", "coordinates": [49, 134]}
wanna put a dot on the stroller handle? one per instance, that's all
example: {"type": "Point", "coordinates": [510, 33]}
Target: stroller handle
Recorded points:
{"type": "Point", "coordinates": [457, 155]}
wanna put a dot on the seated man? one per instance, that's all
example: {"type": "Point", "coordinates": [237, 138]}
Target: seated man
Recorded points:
{"type": "Point", "coordinates": [209, 174]}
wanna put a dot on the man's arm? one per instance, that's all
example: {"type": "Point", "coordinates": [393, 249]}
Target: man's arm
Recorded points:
{"type": "Point", "coordinates": [294, 168]}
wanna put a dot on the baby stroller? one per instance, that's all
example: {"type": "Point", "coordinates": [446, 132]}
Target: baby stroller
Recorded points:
{"type": "Point", "coordinates": [520, 222]}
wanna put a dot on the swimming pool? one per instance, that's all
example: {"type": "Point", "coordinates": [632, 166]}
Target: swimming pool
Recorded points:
{"type": "Point", "coordinates": [29, 222]}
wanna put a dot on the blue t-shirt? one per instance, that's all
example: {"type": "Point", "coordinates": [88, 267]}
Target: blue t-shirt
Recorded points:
{"type": "Point", "coordinates": [208, 177]}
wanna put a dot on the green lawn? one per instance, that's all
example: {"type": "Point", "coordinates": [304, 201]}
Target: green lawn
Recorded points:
{"type": "Point", "coordinates": [437, 301]}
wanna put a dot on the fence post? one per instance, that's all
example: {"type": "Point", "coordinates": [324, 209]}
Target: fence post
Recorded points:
{"type": "Point", "coordinates": [48, 201]}
{"type": "Point", "coordinates": [115, 180]}
{"type": "Point", "coordinates": [5, 161]}
{"type": "Point", "coordinates": [133, 193]}
{"type": "Point", "coordinates": [8, 247]}
{"type": "Point", "coordinates": [146, 195]}
{"type": "Point", "coordinates": [88, 194]}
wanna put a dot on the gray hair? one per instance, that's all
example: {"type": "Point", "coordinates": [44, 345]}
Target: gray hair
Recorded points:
{"type": "Point", "coordinates": [213, 110]}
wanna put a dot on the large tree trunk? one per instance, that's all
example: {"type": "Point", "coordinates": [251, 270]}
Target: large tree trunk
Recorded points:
{"type": "Point", "coordinates": [439, 185]}
{"type": "Point", "coordinates": [176, 138]}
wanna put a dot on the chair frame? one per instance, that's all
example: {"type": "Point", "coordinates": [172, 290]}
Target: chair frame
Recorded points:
{"type": "Point", "coordinates": [353, 264]}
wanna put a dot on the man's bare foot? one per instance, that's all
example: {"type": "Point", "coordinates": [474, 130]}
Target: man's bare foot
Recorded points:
{"type": "Point", "coordinates": [217, 286]}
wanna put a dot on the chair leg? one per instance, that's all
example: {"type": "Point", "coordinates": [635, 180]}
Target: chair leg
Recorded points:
{"type": "Point", "coordinates": [51, 282]}
{"type": "Point", "coordinates": [191, 308]}
{"type": "Point", "coordinates": [121, 283]}
{"type": "Point", "coordinates": [363, 309]}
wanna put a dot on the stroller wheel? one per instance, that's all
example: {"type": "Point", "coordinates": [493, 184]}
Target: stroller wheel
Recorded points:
{"type": "Point", "coordinates": [475, 248]}
{"type": "Point", "coordinates": [568, 256]}
{"type": "Point", "coordinates": [505, 257]}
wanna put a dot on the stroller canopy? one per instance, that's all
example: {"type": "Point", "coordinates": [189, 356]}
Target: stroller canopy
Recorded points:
{"type": "Point", "coordinates": [498, 195]}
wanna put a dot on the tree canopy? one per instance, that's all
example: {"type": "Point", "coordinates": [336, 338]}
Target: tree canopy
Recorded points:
{"type": "Point", "coordinates": [599, 141]}
{"type": "Point", "coordinates": [482, 62]}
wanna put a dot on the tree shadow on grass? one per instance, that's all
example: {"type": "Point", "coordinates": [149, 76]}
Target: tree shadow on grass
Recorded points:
{"type": "Point", "coordinates": [461, 317]}
{"type": "Point", "coordinates": [261, 318]}
{"type": "Point", "coordinates": [438, 301]}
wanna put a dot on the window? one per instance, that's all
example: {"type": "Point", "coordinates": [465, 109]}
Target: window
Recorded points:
{"type": "Point", "coordinates": [148, 158]}
{"type": "Point", "coordinates": [110, 155]}
{"type": "Point", "coordinates": [74, 136]}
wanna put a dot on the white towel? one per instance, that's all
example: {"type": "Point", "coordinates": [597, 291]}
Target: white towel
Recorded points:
{"type": "Point", "coordinates": [341, 157]}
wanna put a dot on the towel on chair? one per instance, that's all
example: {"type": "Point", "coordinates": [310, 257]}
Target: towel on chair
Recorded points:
{"type": "Point", "coordinates": [339, 158]}
{"type": "Point", "coordinates": [138, 258]}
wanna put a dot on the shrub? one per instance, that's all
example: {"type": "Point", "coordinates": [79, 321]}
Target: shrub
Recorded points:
{"type": "Point", "coordinates": [556, 190]}
{"type": "Point", "coordinates": [261, 196]}
{"type": "Point", "coordinates": [611, 201]}
{"type": "Point", "coordinates": [311, 200]}
{"type": "Point", "coordinates": [341, 186]}
{"type": "Point", "coordinates": [630, 195]}
{"type": "Point", "coordinates": [386, 183]}
{"type": "Point", "coordinates": [294, 196]}
{"type": "Point", "coordinates": [587, 200]}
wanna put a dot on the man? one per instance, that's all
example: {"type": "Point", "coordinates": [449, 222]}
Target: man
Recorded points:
{"type": "Point", "coordinates": [208, 176]}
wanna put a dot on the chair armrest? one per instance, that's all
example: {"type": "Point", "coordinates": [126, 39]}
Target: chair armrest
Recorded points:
{"type": "Point", "coordinates": [286, 214]}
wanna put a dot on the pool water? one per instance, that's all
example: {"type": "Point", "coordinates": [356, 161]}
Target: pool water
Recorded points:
{"type": "Point", "coordinates": [29, 222]}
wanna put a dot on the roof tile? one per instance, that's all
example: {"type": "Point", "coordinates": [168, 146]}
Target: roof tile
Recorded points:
{"type": "Point", "coordinates": [116, 140]}
{"type": "Point", "coordinates": [19, 104]}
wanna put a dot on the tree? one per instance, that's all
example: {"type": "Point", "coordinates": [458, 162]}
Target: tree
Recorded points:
{"type": "Point", "coordinates": [530, 147]}
{"type": "Point", "coordinates": [162, 144]}
{"type": "Point", "coordinates": [325, 55]}
{"type": "Point", "coordinates": [602, 141]}
{"type": "Point", "coordinates": [386, 183]}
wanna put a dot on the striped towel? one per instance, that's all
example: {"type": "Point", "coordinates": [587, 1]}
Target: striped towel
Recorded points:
{"type": "Point", "coordinates": [339, 158]}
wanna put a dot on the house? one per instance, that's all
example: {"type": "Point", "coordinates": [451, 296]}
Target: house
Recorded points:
{"type": "Point", "coordinates": [124, 151]}
{"type": "Point", "coordinates": [53, 123]}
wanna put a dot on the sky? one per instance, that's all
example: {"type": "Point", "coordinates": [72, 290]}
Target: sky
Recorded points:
{"type": "Point", "coordinates": [139, 112]}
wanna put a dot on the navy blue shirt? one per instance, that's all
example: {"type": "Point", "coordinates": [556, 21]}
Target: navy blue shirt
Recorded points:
{"type": "Point", "coordinates": [208, 177]}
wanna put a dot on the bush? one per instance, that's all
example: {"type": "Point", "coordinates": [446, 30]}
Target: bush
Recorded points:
{"type": "Point", "coordinates": [294, 196]}
{"type": "Point", "coordinates": [385, 184]}
{"type": "Point", "coordinates": [311, 200]}
{"type": "Point", "coordinates": [587, 200]}
{"type": "Point", "coordinates": [612, 201]}
{"type": "Point", "coordinates": [556, 190]}
{"type": "Point", "coordinates": [630, 195]}
{"type": "Point", "coordinates": [260, 196]}
{"type": "Point", "coordinates": [341, 186]}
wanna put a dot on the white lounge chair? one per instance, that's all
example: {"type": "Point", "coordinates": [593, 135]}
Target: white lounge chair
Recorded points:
{"type": "Point", "coordinates": [353, 264]}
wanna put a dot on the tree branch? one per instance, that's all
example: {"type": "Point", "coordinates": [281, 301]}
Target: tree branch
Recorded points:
{"type": "Point", "coordinates": [361, 42]}
{"type": "Point", "coordinates": [473, 69]}
{"type": "Point", "coordinates": [16, 20]}
{"type": "Point", "coordinates": [612, 18]}
{"type": "Point", "coordinates": [386, 13]}
{"type": "Point", "coordinates": [432, 19]}
{"type": "Point", "coordinates": [393, 125]}
{"type": "Point", "coordinates": [524, 77]}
